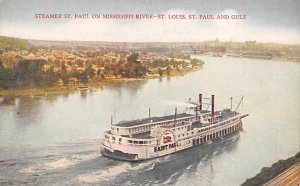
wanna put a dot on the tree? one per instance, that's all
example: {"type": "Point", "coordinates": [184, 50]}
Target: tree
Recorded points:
{"type": "Point", "coordinates": [129, 70]}
{"type": "Point", "coordinates": [29, 73]}
{"type": "Point", "coordinates": [109, 69]}
{"type": "Point", "coordinates": [102, 76]}
{"type": "Point", "coordinates": [26, 73]}
{"type": "Point", "coordinates": [133, 57]}
{"type": "Point", "coordinates": [90, 72]}
{"type": "Point", "coordinates": [63, 73]}
{"type": "Point", "coordinates": [116, 71]}
{"type": "Point", "coordinates": [50, 78]}
{"type": "Point", "coordinates": [98, 72]}
{"type": "Point", "coordinates": [3, 76]}
{"type": "Point", "coordinates": [83, 77]}
{"type": "Point", "coordinates": [37, 72]}
{"type": "Point", "coordinates": [2, 67]}
{"type": "Point", "coordinates": [160, 72]}
{"type": "Point", "coordinates": [140, 70]}
{"type": "Point", "coordinates": [168, 70]}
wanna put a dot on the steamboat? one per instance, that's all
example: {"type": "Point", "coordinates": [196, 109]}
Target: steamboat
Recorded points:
{"type": "Point", "coordinates": [153, 137]}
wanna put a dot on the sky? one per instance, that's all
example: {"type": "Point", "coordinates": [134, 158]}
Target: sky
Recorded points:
{"type": "Point", "coordinates": [266, 20]}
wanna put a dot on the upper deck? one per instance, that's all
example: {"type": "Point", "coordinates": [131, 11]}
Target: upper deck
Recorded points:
{"type": "Point", "coordinates": [152, 120]}
{"type": "Point", "coordinates": [134, 127]}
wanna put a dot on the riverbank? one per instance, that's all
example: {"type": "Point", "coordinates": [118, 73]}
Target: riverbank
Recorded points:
{"type": "Point", "coordinates": [92, 84]}
{"type": "Point", "coordinates": [63, 88]}
{"type": "Point", "coordinates": [268, 173]}
{"type": "Point", "coordinates": [281, 59]}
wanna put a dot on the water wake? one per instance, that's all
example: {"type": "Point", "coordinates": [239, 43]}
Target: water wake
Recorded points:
{"type": "Point", "coordinates": [115, 170]}
{"type": "Point", "coordinates": [59, 163]}
{"type": "Point", "coordinates": [104, 174]}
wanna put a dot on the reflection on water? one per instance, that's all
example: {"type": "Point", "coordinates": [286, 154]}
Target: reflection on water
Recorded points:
{"type": "Point", "coordinates": [54, 138]}
{"type": "Point", "coordinates": [7, 100]}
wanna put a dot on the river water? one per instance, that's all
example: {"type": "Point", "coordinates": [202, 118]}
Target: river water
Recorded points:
{"type": "Point", "coordinates": [55, 139]}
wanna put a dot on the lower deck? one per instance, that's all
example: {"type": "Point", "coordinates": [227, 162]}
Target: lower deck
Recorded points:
{"type": "Point", "coordinates": [138, 152]}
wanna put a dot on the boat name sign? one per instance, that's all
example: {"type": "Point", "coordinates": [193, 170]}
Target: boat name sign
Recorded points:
{"type": "Point", "coordinates": [164, 147]}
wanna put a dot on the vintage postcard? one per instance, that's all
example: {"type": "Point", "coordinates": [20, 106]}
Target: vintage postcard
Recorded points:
{"type": "Point", "coordinates": [149, 92]}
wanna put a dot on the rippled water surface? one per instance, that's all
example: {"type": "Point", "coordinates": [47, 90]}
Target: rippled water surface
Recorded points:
{"type": "Point", "coordinates": [54, 139]}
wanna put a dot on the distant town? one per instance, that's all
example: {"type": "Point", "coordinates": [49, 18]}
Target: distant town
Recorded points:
{"type": "Point", "coordinates": [23, 65]}
{"type": "Point", "coordinates": [35, 63]}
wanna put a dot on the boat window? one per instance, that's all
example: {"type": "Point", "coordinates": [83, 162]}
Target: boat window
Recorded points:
{"type": "Point", "coordinates": [113, 138]}
{"type": "Point", "coordinates": [120, 139]}
{"type": "Point", "coordinates": [135, 142]}
{"type": "Point", "coordinates": [129, 141]}
{"type": "Point", "coordinates": [141, 142]}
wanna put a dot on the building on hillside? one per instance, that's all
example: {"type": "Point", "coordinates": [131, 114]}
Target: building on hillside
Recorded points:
{"type": "Point", "coordinates": [73, 81]}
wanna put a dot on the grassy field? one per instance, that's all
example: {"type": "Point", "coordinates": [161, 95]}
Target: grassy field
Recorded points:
{"type": "Point", "coordinates": [13, 43]}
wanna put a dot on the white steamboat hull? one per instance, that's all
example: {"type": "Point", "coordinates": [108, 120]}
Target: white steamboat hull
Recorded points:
{"type": "Point", "coordinates": [149, 151]}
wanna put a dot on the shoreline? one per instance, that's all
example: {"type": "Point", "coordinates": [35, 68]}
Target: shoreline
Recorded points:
{"type": "Point", "coordinates": [57, 89]}
{"type": "Point", "coordinates": [63, 88]}
{"type": "Point", "coordinates": [267, 174]}
{"type": "Point", "coordinates": [243, 57]}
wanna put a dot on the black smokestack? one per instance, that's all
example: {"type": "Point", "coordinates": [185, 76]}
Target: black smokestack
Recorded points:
{"type": "Point", "coordinates": [200, 102]}
{"type": "Point", "coordinates": [212, 106]}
